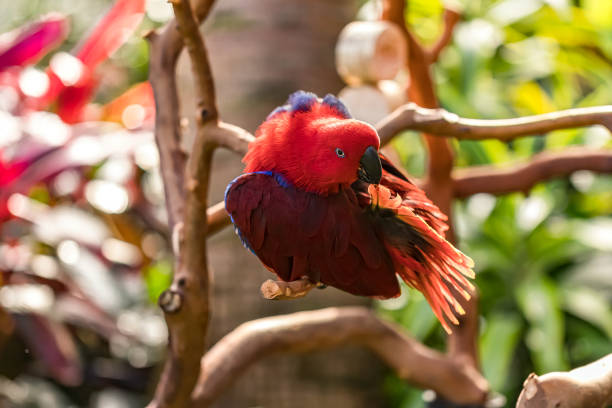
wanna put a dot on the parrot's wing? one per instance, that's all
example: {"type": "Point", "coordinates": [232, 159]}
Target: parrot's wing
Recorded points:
{"type": "Point", "coordinates": [294, 233]}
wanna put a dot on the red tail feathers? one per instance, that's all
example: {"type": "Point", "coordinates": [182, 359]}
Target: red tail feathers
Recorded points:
{"type": "Point", "coordinates": [432, 266]}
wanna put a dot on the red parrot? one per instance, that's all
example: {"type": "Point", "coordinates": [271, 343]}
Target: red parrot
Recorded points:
{"type": "Point", "coordinates": [318, 201]}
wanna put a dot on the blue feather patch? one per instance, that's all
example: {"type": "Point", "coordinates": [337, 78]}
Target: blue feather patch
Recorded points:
{"type": "Point", "coordinates": [280, 109]}
{"type": "Point", "coordinates": [302, 101]}
{"type": "Point", "coordinates": [332, 101]}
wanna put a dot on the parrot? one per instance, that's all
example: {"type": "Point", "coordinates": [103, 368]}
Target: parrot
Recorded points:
{"type": "Point", "coordinates": [318, 201]}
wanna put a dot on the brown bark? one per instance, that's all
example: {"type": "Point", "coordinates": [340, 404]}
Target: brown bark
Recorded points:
{"type": "Point", "coordinates": [589, 386]}
{"type": "Point", "coordinates": [185, 303]}
{"type": "Point", "coordinates": [440, 122]}
{"type": "Point", "coordinates": [522, 177]}
{"type": "Point", "coordinates": [333, 327]}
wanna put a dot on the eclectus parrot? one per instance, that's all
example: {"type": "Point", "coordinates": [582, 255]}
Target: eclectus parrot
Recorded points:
{"type": "Point", "coordinates": [317, 201]}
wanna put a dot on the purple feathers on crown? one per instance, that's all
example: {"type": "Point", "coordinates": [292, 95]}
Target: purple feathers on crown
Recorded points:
{"type": "Point", "coordinates": [302, 101]}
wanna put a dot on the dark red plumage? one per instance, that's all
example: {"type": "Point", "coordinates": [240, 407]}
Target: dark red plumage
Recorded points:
{"type": "Point", "coordinates": [334, 228]}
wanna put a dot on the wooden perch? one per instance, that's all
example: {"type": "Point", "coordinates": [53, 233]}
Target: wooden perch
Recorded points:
{"type": "Point", "coordinates": [589, 386]}
{"type": "Point", "coordinates": [333, 327]}
{"type": "Point", "coordinates": [522, 177]}
{"type": "Point", "coordinates": [443, 123]}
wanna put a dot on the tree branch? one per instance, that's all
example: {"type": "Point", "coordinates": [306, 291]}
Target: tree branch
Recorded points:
{"type": "Point", "coordinates": [589, 386]}
{"type": "Point", "coordinates": [186, 302]}
{"type": "Point", "coordinates": [451, 18]}
{"type": "Point", "coordinates": [165, 51]}
{"type": "Point", "coordinates": [217, 218]}
{"type": "Point", "coordinates": [232, 137]}
{"type": "Point", "coordinates": [200, 67]}
{"type": "Point", "coordinates": [165, 46]}
{"type": "Point", "coordinates": [443, 123]}
{"type": "Point", "coordinates": [332, 327]}
{"type": "Point", "coordinates": [522, 177]}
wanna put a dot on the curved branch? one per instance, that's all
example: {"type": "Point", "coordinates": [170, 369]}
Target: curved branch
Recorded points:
{"type": "Point", "coordinates": [522, 177]}
{"type": "Point", "coordinates": [443, 123]}
{"type": "Point", "coordinates": [589, 386]}
{"type": "Point", "coordinates": [217, 218]}
{"type": "Point", "coordinates": [205, 87]}
{"type": "Point", "coordinates": [165, 50]}
{"type": "Point", "coordinates": [332, 327]}
{"type": "Point", "coordinates": [451, 18]}
{"type": "Point", "coordinates": [232, 137]}
{"type": "Point", "coordinates": [165, 47]}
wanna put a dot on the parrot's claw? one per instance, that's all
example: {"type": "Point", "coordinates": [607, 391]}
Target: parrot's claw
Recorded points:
{"type": "Point", "coordinates": [280, 290]}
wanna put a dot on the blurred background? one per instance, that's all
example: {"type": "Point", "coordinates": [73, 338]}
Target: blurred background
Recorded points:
{"type": "Point", "coordinates": [84, 246]}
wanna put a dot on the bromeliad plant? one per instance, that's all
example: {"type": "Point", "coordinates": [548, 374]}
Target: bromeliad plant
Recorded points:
{"type": "Point", "coordinates": [78, 213]}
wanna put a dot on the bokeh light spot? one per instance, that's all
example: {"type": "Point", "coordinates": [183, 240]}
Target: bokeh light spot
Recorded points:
{"type": "Point", "coordinates": [33, 82]}
{"type": "Point", "coordinates": [133, 116]}
{"type": "Point", "coordinates": [67, 67]}
{"type": "Point", "coordinates": [107, 196]}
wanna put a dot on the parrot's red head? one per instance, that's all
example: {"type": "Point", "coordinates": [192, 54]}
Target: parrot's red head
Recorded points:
{"type": "Point", "coordinates": [315, 145]}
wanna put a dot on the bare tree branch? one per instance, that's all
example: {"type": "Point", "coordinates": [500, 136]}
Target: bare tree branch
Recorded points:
{"type": "Point", "coordinates": [186, 302]}
{"type": "Point", "coordinates": [332, 327]}
{"type": "Point", "coordinates": [217, 218]}
{"type": "Point", "coordinates": [443, 123]}
{"type": "Point", "coordinates": [165, 47]}
{"type": "Point", "coordinates": [522, 177]}
{"type": "Point", "coordinates": [589, 386]}
{"type": "Point", "coordinates": [165, 51]}
{"type": "Point", "coordinates": [200, 67]}
{"type": "Point", "coordinates": [451, 18]}
{"type": "Point", "coordinates": [232, 137]}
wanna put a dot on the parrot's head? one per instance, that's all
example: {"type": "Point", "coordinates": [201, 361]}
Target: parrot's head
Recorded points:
{"type": "Point", "coordinates": [315, 145]}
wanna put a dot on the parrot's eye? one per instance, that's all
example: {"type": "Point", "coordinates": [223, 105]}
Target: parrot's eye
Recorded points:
{"type": "Point", "coordinates": [339, 152]}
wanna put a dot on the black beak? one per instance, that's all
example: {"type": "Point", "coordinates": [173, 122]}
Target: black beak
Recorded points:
{"type": "Point", "coordinates": [370, 169]}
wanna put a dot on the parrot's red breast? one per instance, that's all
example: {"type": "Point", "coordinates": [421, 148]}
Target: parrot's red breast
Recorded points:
{"type": "Point", "coordinates": [316, 200]}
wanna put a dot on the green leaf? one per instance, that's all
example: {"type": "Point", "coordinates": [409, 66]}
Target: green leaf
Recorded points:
{"type": "Point", "coordinates": [418, 317]}
{"type": "Point", "coordinates": [497, 346]}
{"type": "Point", "coordinates": [590, 306]}
{"type": "Point", "coordinates": [598, 12]}
{"type": "Point", "coordinates": [539, 300]}
{"type": "Point", "coordinates": [410, 148]}
{"type": "Point", "coordinates": [158, 277]}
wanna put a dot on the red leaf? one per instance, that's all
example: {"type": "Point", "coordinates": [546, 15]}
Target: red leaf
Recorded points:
{"type": "Point", "coordinates": [105, 38]}
{"type": "Point", "coordinates": [32, 42]}
{"type": "Point", "coordinates": [111, 32]}
{"type": "Point", "coordinates": [140, 95]}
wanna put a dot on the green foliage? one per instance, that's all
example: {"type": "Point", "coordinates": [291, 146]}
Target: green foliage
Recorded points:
{"type": "Point", "coordinates": [158, 278]}
{"type": "Point", "coordinates": [543, 260]}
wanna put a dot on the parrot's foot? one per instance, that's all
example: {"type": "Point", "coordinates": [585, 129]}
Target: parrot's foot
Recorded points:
{"type": "Point", "coordinates": [280, 290]}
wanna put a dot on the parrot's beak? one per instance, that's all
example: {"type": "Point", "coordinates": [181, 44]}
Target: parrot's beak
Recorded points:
{"type": "Point", "coordinates": [370, 169]}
